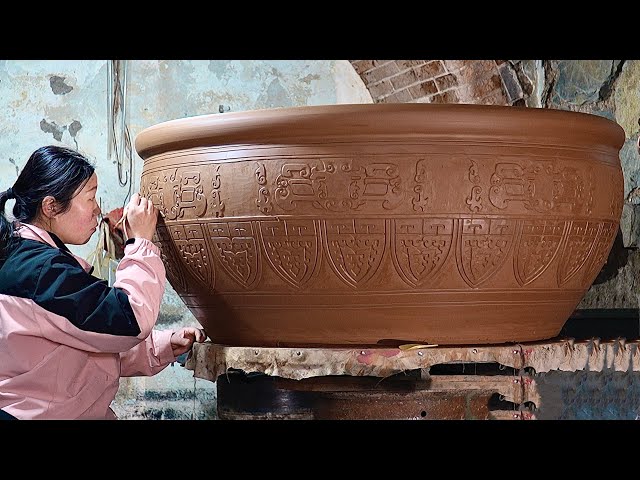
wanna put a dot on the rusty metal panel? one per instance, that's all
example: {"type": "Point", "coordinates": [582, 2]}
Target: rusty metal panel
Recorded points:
{"type": "Point", "coordinates": [410, 396]}
{"type": "Point", "coordinates": [421, 405]}
{"type": "Point", "coordinates": [512, 415]}
{"type": "Point", "coordinates": [209, 360]}
{"type": "Point", "coordinates": [395, 383]}
{"type": "Point", "coordinates": [515, 389]}
{"type": "Point", "coordinates": [342, 398]}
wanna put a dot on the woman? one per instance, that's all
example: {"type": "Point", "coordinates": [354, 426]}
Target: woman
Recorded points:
{"type": "Point", "coordinates": [66, 337]}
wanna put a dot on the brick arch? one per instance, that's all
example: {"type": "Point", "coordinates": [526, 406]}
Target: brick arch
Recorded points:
{"type": "Point", "coordinates": [491, 82]}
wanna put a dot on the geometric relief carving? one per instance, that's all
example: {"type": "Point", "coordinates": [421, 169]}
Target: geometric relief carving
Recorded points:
{"type": "Point", "coordinates": [192, 247]}
{"type": "Point", "coordinates": [235, 247]}
{"type": "Point", "coordinates": [474, 200]}
{"type": "Point", "coordinates": [587, 194]}
{"type": "Point", "coordinates": [536, 247]}
{"type": "Point", "coordinates": [217, 205]}
{"type": "Point", "coordinates": [169, 255]}
{"type": "Point", "coordinates": [151, 189]}
{"type": "Point", "coordinates": [176, 193]}
{"type": "Point", "coordinates": [263, 202]}
{"type": "Point", "coordinates": [577, 246]}
{"type": "Point", "coordinates": [422, 188]}
{"type": "Point", "coordinates": [540, 186]}
{"type": "Point", "coordinates": [483, 246]}
{"type": "Point", "coordinates": [338, 189]}
{"type": "Point", "coordinates": [600, 252]}
{"type": "Point", "coordinates": [355, 248]}
{"type": "Point", "coordinates": [292, 249]}
{"type": "Point", "coordinates": [420, 247]}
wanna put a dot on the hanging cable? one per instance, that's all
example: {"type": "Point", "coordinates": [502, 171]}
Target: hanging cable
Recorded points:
{"type": "Point", "coordinates": [119, 148]}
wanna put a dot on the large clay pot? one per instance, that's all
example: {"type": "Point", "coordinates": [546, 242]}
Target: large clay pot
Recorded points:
{"type": "Point", "coordinates": [373, 224]}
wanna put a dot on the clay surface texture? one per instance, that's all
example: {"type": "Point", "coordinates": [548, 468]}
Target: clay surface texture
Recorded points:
{"type": "Point", "coordinates": [384, 224]}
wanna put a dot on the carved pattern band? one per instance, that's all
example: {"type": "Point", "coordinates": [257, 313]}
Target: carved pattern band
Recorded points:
{"type": "Point", "coordinates": [354, 249]}
{"type": "Point", "coordinates": [488, 184]}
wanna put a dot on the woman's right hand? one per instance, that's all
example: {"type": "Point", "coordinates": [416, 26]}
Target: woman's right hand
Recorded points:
{"type": "Point", "coordinates": [142, 217]}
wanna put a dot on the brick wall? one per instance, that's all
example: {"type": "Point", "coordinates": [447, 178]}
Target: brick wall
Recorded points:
{"type": "Point", "coordinates": [492, 82]}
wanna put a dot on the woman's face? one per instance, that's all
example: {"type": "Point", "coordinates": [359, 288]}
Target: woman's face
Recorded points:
{"type": "Point", "coordinates": [77, 225]}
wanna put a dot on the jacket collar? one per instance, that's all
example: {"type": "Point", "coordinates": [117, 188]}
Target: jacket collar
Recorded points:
{"type": "Point", "coordinates": [31, 232]}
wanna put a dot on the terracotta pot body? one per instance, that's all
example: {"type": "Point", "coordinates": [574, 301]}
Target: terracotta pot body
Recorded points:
{"type": "Point", "coordinates": [379, 224]}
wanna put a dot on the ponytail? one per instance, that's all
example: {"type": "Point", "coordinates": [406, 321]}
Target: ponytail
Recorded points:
{"type": "Point", "coordinates": [51, 170]}
{"type": "Point", "coordinates": [6, 227]}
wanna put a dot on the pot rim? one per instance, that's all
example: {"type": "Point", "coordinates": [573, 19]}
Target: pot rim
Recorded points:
{"type": "Point", "coordinates": [399, 122]}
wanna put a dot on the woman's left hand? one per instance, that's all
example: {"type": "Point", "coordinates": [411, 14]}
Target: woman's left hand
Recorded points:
{"type": "Point", "coordinates": [182, 339]}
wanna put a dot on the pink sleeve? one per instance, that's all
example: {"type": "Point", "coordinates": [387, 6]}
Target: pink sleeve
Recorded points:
{"type": "Point", "coordinates": [140, 277]}
{"type": "Point", "coordinates": [148, 357]}
{"type": "Point", "coordinates": [141, 274]}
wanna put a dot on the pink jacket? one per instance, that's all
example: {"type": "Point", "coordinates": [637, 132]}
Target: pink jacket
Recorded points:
{"type": "Point", "coordinates": [66, 337]}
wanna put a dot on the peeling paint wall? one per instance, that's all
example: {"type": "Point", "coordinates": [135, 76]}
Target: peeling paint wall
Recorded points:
{"type": "Point", "coordinates": [67, 103]}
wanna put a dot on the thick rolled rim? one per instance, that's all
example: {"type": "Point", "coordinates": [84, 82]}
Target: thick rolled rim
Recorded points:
{"type": "Point", "coordinates": [405, 121]}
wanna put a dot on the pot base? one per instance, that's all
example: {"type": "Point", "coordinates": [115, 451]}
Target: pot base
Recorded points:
{"type": "Point", "coordinates": [446, 324]}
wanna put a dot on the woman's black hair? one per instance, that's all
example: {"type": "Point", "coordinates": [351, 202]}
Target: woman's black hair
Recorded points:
{"type": "Point", "coordinates": [51, 170]}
